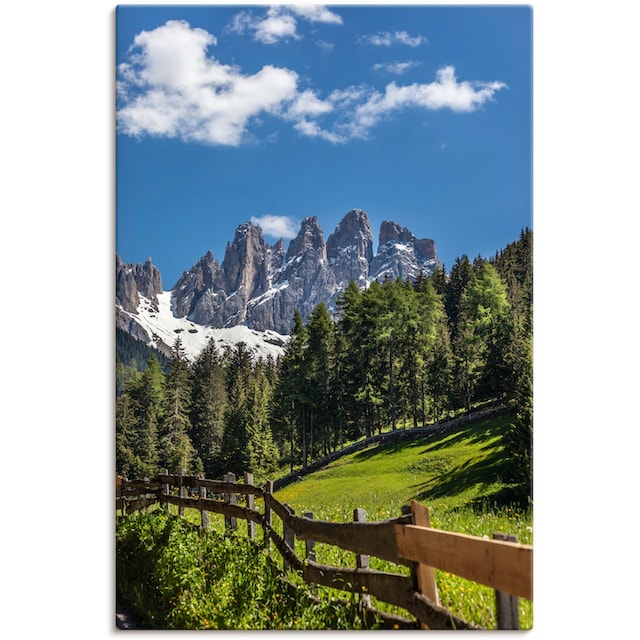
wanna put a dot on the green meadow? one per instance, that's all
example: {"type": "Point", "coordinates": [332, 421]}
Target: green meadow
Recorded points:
{"type": "Point", "coordinates": [457, 475]}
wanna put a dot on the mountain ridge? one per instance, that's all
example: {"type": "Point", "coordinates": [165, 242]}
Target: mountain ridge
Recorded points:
{"type": "Point", "coordinates": [259, 286]}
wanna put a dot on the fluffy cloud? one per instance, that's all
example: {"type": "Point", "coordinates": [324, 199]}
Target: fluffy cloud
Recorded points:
{"type": "Point", "coordinates": [277, 226]}
{"type": "Point", "coordinates": [386, 39]}
{"type": "Point", "coordinates": [169, 87]}
{"type": "Point", "coordinates": [361, 109]}
{"type": "Point", "coordinates": [316, 13]}
{"type": "Point", "coordinates": [280, 22]}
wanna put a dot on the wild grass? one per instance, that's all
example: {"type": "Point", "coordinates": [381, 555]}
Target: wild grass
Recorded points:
{"type": "Point", "coordinates": [457, 475]}
{"type": "Point", "coordinates": [172, 575]}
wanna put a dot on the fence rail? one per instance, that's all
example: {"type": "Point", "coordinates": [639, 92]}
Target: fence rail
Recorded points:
{"type": "Point", "coordinates": [504, 565]}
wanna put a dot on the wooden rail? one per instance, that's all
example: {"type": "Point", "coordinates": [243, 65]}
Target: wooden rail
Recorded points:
{"type": "Point", "coordinates": [504, 565]}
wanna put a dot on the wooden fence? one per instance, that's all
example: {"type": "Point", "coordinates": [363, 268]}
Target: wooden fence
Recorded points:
{"type": "Point", "coordinates": [501, 563]}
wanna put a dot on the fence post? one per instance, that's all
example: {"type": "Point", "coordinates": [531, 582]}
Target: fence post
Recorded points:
{"type": "Point", "coordinates": [120, 482]}
{"type": "Point", "coordinates": [144, 509]}
{"type": "Point", "coordinates": [251, 504]}
{"type": "Point", "coordinates": [362, 560]}
{"type": "Point", "coordinates": [202, 492]}
{"type": "Point", "coordinates": [425, 574]}
{"type": "Point", "coordinates": [268, 489]}
{"type": "Point", "coordinates": [507, 605]}
{"type": "Point", "coordinates": [230, 498]}
{"type": "Point", "coordinates": [289, 538]}
{"type": "Point", "coordinates": [183, 494]}
{"type": "Point", "coordinates": [309, 546]}
{"type": "Point", "coordinates": [165, 487]}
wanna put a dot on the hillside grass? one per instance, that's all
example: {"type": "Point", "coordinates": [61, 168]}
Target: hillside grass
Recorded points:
{"type": "Point", "coordinates": [458, 475]}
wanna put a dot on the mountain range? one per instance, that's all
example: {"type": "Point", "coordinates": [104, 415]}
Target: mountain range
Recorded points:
{"type": "Point", "coordinates": [253, 293]}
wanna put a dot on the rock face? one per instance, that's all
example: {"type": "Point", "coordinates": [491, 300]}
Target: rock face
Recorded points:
{"type": "Point", "coordinates": [260, 286]}
{"type": "Point", "coordinates": [132, 281]}
{"type": "Point", "coordinates": [401, 254]}
{"type": "Point", "coordinates": [350, 249]}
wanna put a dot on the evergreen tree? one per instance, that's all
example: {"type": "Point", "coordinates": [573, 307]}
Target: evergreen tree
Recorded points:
{"type": "Point", "coordinates": [126, 425]}
{"type": "Point", "coordinates": [178, 453]}
{"type": "Point", "coordinates": [489, 308]}
{"type": "Point", "coordinates": [518, 441]}
{"type": "Point", "coordinates": [208, 405]}
{"type": "Point", "coordinates": [319, 374]}
{"type": "Point", "coordinates": [138, 410]}
{"type": "Point", "coordinates": [351, 359]}
{"type": "Point", "coordinates": [247, 443]}
{"type": "Point", "coordinates": [288, 395]}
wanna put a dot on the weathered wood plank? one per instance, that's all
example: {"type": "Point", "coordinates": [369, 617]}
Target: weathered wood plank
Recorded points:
{"type": "Point", "coordinates": [372, 538]}
{"type": "Point", "coordinates": [215, 486]}
{"type": "Point", "coordinates": [285, 551]}
{"type": "Point", "coordinates": [278, 508]}
{"type": "Point", "coordinates": [137, 504]}
{"type": "Point", "coordinates": [507, 566]}
{"type": "Point", "coordinates": [130, 492]}
{"type": "Point", "coordinates": [392, 588]}
{"type": "Point", "coordinates": [436, 617]}
{"type": "Point", "coordinates": [216, 506]}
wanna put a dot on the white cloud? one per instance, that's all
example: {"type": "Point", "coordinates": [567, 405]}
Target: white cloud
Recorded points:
{"type": "Point", "coordinates": [280, 22]}
{"type": "Point", "coordinates": [316, 13]}
{"type": "Point", "coordinates": [169, 87]}
{"type": "Point", "coordinates": [444, 93]}
{"type": "Point", "coordinates": [397, 68]}
{"type": "Point", "coordinates": [360, 109]}
{"type": "Point", "coordinates": [277, 226]}
{"type": "Point", "coordinates": [386, 39]}
{"type": "Point", "coordinates": [308, 104]}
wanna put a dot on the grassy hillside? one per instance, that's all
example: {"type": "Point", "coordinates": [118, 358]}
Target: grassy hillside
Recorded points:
{"type": "Point", "coordinates": [458, 475]}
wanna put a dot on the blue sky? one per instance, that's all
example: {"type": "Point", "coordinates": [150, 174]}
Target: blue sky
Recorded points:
{"type": "Point", "coordinates": [226, 114]}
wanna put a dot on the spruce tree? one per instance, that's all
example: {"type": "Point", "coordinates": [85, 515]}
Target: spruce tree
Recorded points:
{"type": "Point", "coordinates": [208, 405]}
{"type": "Point", "coordinates": [178, 453]}
{"type": "Point", "coordinates": [288, 394]}
{"type": "Point", "coordinates": [319, 369]}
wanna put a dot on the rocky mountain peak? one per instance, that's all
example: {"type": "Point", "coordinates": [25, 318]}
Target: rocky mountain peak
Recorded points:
{"type": "Point", "coordinates": [243, 265]}
{"type": "Point", "coordinates": [134, 280]}
{"type": "Point", "coordinates": [350, 248]}
{"type": "Point", "coordinates": [393, 232]}
{"type": "Point", "coordinates": [260, 286]}
{"type": "Point", "coordinates": [401, 254]}
{"type": "Point", "coordinates": [310, 236]}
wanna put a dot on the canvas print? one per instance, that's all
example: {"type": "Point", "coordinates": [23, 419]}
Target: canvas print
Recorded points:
{"type": "Point", "coordinates": [324, 317]}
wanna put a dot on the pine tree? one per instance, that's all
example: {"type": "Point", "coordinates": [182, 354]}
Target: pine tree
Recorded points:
{"type": "Point", "coordinates": [247, 442]}
{"type": "Point", "coordinates": [126, 424]}
{"type": "Point", "coordinates": [208, 405]}
{"type": "Point", "coordinates": [288, 395]}
{"type": "Point", "coordinates": [319, 369]}
{"type": "Point", "coordinates": [179, 454]}
{"type": "Point", "coordinates": [518, 441]}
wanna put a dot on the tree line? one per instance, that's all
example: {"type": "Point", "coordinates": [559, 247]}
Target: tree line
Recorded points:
{"type": "Point", "coordinates": [397, 354]}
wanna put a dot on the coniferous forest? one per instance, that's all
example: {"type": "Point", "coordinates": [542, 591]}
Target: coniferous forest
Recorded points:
{"type": "Point", "coordinates": [396, 355]}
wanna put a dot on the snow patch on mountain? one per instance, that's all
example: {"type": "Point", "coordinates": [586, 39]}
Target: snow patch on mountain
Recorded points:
{"type": "Point", "coordinates": [163, 326]}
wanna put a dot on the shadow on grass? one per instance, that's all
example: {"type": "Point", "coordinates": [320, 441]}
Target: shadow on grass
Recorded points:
{"type": "Point", "coordinates": [483, 473]}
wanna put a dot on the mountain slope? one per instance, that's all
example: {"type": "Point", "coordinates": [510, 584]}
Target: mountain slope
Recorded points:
{"type": "Point", "coordinates": [253, 293]}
